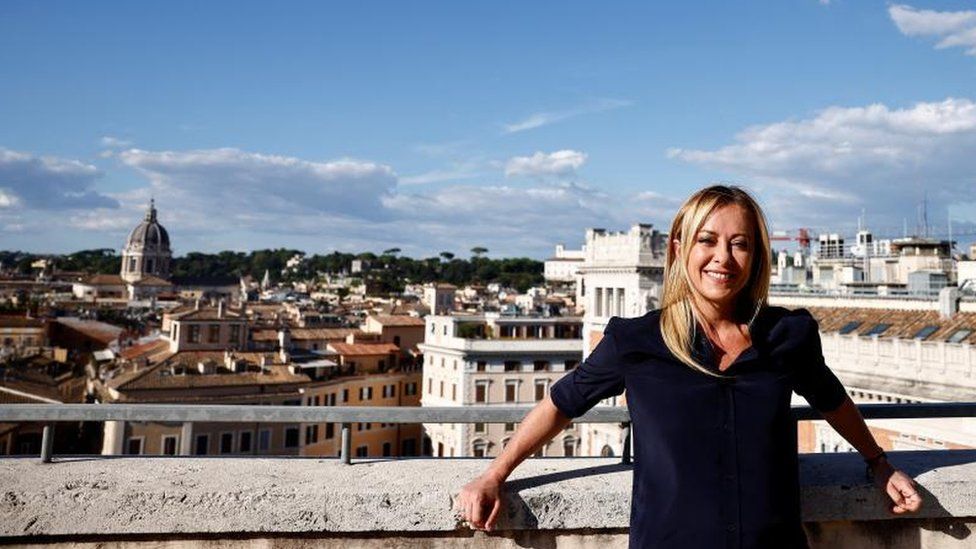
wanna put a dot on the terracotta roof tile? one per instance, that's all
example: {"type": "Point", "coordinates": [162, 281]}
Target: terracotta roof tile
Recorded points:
{"type": "Point", "coordinates": [399, 320]}
{"type": "Point", "coordinates": [904, 324]}
{"type": "Point", "coordinates": [364, 349]}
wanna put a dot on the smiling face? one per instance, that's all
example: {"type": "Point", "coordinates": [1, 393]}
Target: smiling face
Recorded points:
{"type": "Point", "coordinates": [720, 261]}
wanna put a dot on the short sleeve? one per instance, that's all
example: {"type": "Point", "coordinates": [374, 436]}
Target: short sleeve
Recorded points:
{"type": "Point", "coordinates": [813, 380]}
{"type": "Point", "coordinates": [598, 377]}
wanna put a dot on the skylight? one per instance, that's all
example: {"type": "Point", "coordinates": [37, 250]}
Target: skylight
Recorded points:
{"type": "Point", "coordinates": [959, 335]}
{"type": "Point", "coordinates": [877, 329]}
{"type": "Point", "coordinates": [925, 332]}
{"type": "Point", "coordinates": [849, 327]}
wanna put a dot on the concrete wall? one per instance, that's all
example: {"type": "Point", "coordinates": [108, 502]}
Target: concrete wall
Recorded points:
{"type": "Point", "coordinates": [258, 502]}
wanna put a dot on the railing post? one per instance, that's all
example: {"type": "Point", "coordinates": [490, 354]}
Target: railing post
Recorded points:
{"type": "Point", "coordinates": [47, 442]}
{"type": "Point", "coordinates": [346, 443]}
{"type": "Point", "coordinates": [625, 459]}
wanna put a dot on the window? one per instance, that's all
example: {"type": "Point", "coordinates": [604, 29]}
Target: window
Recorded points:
{"type": "Point", "coordinates": [479, 427]}
{"type": "Point", "coordinates": [442, 388]}
{"type": "Point", "coordinates": [226, 443]}
{"type": "Point", "coordinates": [132, 264]}
{"type": "Point", "coordinates": [481, 392]}
{"type": "Point", "coordinates": [170, 445]}
{"type": "Point", "coordinates": [410, 389]}
{"type": "Point", "coordinates": [387, 449]}
{"type": "Point", "coordinates": [311, 434]}
{"type": "Point", "coordinates": [331, 399]}
{"type": "Point", "coordinates": [481, 366]}
{"type": "Point", "coordinates": [365, 393]}
{"type": "Point", "coordinates": [291, 437]}
{"type": "Point", "coordinates": [133, 446]}
{"type": "Point", "coordinates": [202, 445]}
{"type": "Point", "coordinates": [454, 391]}
{"type": "Point", "coordinates": [509, 427]}
{"type": "Point", "coordinates": [877, 329]}
{"type": "Point", "coordinates": [362, 451]}
{"type": "Point", "coordinates": [235, 333]}
{"type": "Point", "coordinates": [244, 442]}
{"type": "Point", "coordinates": [317, 400]}
{"type": "Point", "coordinates": [570, 364]}
{"type": "Point", "coordinates": [345, 395]}
{"type": "Point", "coordinates": [540, 389]}
{"type": "Point", "coordinates": [925, 332]}
{"type": "Point", "coordinates": [959, 335]}
{"type": "Point", "coordinates": [849, 327]}
{"type": "Point", "coordinates": [392, 391]}
{"type": "Point", "coordinates": [213, 333]}
{"type": "Point", "coordinates": [512, 365]}
{"type": "Point", "coordinates": [329, 430]}
{"type": "Point", "coordinates": [409, 447]}
{"type": "Point", "coordinates": [569, 447]}
{"type": "Point", "coordinates": [194, 335]}
{"type": "Point", "coordinates": [540, 366]}
{"type": "Point", "coordinates": [479, 449]}
{"type": "Point", "coordinates": [396, 340]}
{"type": "Point", "coordinates": [264, 440]}
{"type": "Point", "coordinates": [511, 391]}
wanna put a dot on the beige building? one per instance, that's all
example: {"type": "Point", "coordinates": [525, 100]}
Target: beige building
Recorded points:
{"type": "Point", "coordinates": [492, 359]}
{"type": "Point", "coordinates": [21, 335]}
{"type": "Point", "coordinates": [204, 329]}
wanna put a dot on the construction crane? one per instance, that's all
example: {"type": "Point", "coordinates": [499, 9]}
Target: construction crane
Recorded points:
{"type": "Point", "coordinates": [802, 236]}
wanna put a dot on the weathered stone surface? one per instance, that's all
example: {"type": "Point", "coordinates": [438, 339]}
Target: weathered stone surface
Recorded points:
{"type": "Point", "coordinates": [105, 497]}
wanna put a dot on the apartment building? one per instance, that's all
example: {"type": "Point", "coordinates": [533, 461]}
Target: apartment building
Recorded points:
{"type": "Point", "coordinates": [493, 359]}
{"type": "Point", "coordinates": [622, 275]}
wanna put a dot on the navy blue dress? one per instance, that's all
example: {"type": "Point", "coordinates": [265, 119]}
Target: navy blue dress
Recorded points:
{"type": "Point", "coordinates": [715, 459]}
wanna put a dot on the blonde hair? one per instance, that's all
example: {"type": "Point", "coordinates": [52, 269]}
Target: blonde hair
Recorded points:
{"type": "Point", "coordinates": [678, 322]}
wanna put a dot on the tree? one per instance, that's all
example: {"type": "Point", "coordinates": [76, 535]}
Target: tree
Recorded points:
{"type": "Point", "coordinates": [391, 251]}
{"type": "Point", "coordinates": [447, 256]}
{"type": "Point", "coordinates": [479, 251]}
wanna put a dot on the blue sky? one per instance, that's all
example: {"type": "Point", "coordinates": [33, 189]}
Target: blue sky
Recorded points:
{"type": "Point", "coordinates": [443, 126]}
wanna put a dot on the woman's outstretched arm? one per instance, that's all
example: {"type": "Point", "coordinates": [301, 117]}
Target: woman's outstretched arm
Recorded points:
{"type": "Point", "coordinates": [847, 421]}
{"type": "Point", "coordinates": [479, 501]}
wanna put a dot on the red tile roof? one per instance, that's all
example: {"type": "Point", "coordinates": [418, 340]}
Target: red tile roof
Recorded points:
{"type": "Point", "coordinates": [364, 349]}
{"type": "Point", "coordinates": [399, 320]}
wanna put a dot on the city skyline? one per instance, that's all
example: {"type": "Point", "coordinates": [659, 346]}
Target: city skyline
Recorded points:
{"type": "Point", "coordinates": [437, 127]}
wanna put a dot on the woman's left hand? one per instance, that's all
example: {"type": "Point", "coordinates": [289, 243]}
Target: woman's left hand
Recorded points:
{"type": "Point", "coordinates": [899, 487]}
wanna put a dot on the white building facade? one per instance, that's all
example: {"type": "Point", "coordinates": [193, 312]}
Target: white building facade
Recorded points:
{"type": "Point", "coordinates": [495, 360]}
{"type": "Point", "coordinates": [622, 276]}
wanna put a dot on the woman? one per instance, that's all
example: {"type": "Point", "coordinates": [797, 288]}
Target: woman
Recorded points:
{"type": "Point", "coordinates": [708, 380]}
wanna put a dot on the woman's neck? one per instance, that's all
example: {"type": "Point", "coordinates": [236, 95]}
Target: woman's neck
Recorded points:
{"type": "Point", "coordinates": [714, 314]}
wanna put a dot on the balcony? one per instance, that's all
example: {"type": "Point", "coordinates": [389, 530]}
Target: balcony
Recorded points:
{"type": "Point", "coordinates": [305, 502]}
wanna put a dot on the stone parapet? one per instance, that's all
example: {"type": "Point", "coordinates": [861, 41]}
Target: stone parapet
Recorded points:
{"type": "Point", "coordinates": [76, 502]}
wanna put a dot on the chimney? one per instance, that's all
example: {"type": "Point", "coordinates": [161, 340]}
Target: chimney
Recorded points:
{"type": "Point", "coordinates": [948, 302]}
{"type": "Point", "coordinates": [196, 304]}
{"type": "Point", "coordinates": [220, 309]}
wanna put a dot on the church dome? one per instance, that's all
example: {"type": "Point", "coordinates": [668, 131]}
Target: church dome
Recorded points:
{"type": "Point", "coordinates": [149, 234]}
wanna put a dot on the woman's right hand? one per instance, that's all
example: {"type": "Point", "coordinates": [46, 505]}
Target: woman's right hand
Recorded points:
{"type": "Point", "coordinates": [480, 501]}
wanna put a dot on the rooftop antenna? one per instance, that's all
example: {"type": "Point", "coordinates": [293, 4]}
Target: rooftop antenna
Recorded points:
{"type": "Point", "coordinates": [950, 236]}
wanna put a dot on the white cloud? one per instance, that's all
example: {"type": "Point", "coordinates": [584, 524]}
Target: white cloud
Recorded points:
{"type": "Point", "coordinates": [111, 142]}
{"type": "Point", "coordinates": [438, 176]}
{"type": "Point", "coordinates": [951, 28]}
{"type": "Point", "coordinates": [539, 119]}
{"type": "Point", "coordinates": [231, 199]}
{"type": "Point", "coordinates": [242, 181]}
{"type": "Point", "coordinates": [48, 183]}
{"type": "Point", "coordinates": [824, 169]}
{"type": "Point", "coordinates": [558, 164]}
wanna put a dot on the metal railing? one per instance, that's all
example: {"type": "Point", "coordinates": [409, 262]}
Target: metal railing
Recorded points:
{"type": "Point", "coordinates": [347, 415]}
